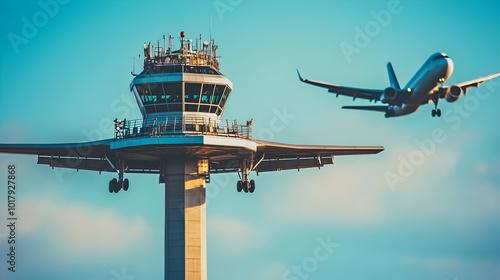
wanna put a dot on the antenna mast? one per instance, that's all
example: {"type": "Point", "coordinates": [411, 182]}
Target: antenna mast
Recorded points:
{"type": "Point", "coordinates": [210, 34]}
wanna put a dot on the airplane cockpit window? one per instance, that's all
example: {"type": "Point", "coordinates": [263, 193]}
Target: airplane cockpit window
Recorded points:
{"type": "Point", "coordinates": [439, 55]}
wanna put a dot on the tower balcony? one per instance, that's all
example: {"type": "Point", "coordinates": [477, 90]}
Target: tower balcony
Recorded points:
{"type": "Point", "coordinates": [175, 125]}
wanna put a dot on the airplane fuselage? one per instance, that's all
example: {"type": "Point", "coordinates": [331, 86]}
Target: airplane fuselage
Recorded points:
{"type": "Point", "coordinates": [433, 73]}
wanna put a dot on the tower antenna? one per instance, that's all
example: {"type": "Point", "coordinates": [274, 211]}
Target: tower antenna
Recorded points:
{"type": "Point", "coordinates": [210, 34]}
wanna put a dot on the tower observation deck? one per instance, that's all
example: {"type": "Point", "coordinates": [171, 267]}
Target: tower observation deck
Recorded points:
{"type": "Point", "coordinates": [183, 83]}
{"type": "Point", "coordinates": [183, 140]}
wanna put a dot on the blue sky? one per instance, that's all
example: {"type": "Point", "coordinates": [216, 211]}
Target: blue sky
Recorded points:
{"type": "Point", "coordinates": [68, 79]}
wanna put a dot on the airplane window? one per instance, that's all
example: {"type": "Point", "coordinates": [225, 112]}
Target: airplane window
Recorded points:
{"type": "Point", "coordinates": [192, 92]}
{"type": "Point", "coordinates": [207, 92]}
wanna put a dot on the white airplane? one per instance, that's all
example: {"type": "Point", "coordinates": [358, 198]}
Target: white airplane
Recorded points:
{"type": "Point", "coordinates": [425, 87]}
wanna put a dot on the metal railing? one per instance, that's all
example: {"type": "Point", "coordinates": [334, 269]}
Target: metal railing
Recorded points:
{"type": "Point", "coordinates": [181, 125]}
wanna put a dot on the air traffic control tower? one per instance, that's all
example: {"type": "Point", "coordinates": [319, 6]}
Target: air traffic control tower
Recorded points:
{"type": "Point", "coordinates": [182, 138]}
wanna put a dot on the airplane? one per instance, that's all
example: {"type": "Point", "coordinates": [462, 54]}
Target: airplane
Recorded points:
{"type": "Point", "coordinates": [426, 86]}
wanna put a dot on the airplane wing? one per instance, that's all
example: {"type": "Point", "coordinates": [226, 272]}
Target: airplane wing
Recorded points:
{"type": "Point", "coordinates": [370, 94]}
{"type": "Point", "coordinates": [85, 156]}
{"type": "Point", "coordinates": [474, 83]}
{"type": "Point", "coordinates": [368, 108]}
{"type": "Point", "coordinates": [272, 156]}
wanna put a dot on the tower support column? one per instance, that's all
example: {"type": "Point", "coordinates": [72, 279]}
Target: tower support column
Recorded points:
{"type": "Point", "coordinates": [185, 219]}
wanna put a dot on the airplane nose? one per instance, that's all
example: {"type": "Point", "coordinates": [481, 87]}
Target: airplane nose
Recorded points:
{"type": "Point", "coordinates": [449, 68]}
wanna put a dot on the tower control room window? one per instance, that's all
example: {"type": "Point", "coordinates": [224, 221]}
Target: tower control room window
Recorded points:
{"type": "Point", "coordinates": [200, 70]}
{"type": "Point", "coordinates": [219, 90]}
{"type": "Point", "coordinates": [145, 94]}
{"type": "Point", "coordinates": [165, 69]}
{"type": "Point", "coordinates": [150, 109]}
{"type": "Point", "coordinates": [206, 97]}
{"type": "Point", "coordinates": [225, 95]}
{"type": "Point", "coordinates": [173, 95]}
{"type": "Point", "coordinates": [157, 93]}
{"type": "Point", "coordinates": [192, 93]}
{"type": "Point", "coordinates": [207, 92]}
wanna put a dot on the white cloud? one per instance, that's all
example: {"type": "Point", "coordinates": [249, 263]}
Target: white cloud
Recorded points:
{"type": "Point", "coordinates": [231, 237]}
{"type": "Point", "coordinates": [482, 168]}
{"type": "Point", "coordinates": [346, 194]}
{"type": "Point", "coordinates": [464, 268]}
{"type": "Point", "coordinates": [81, 228]}
{"type": "Point", "coordinates": [356, 192]}
{"type": "Point", "coordinates": [439, 264]}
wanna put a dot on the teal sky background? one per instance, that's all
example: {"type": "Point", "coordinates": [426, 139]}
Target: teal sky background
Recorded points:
{"type": "Point", "coordinates": [441, 220]}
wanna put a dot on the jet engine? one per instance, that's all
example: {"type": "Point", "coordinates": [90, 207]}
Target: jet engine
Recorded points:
{"type": "Point", "coordinates": [393, 97]}
{"type": "Point", "coordinates": [453, 94]}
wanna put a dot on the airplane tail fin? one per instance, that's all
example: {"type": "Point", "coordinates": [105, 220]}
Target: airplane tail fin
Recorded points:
{"type": "Point", "coordinates": [392, 77]}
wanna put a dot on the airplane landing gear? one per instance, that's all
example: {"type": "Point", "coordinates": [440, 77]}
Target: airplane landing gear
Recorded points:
{"type": "Point", "coordinates": [436, 111]}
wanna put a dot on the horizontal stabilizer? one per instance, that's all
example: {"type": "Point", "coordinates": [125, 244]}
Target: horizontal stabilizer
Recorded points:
{"type": "Point", "coordinates": [368, 108]}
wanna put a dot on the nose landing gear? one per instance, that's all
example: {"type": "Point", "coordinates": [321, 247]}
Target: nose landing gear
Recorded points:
{"type": "Point", "coordinates": [436, 111]}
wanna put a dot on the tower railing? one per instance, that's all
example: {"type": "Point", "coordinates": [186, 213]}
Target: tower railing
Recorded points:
{"type": "Point", "coordinates": [181, 125]}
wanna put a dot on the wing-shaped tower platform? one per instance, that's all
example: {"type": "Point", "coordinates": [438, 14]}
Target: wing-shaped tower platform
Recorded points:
{"type": "Point", "coordinates": [182, 138]}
